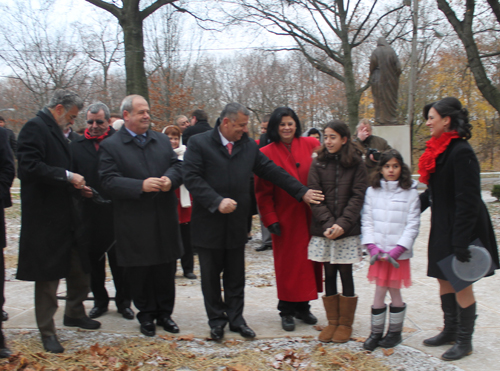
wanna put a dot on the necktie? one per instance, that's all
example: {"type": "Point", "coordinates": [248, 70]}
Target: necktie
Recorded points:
{"type": "Point", "coordinates": [229, 147]}
{"type": "Point", "coordinates": [141, 139]}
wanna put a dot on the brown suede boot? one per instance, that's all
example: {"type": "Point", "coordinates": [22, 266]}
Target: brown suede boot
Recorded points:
{"type": "Point", "coordinates": [347, 307]}
{"type": "Point", "coordinates": [331, 304]}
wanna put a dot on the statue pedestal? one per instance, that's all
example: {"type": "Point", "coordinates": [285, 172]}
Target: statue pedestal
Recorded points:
{"type": "Point", "coordinates": [398, 137]}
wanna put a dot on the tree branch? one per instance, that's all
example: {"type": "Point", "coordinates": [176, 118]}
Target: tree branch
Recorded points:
{"type": "Point", "coordinates": [146, 12]}
{"type": "Point", "coordinates": [113, 9]}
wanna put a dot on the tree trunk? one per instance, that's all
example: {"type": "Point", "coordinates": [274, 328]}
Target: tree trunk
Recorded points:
{"type": "Point", "coordinates": [133, 38]}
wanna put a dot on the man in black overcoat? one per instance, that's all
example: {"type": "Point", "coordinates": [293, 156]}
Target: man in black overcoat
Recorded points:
{"type": "Point", "coordinates": [97, 214]}
{"type": "Point", "coordinates": [216, 170]}
{"type": "Point", "coordinates": [48, 245]}
{"type": "Point", "coordinates": [199, 124]}
{"type": "Point", "coordinates": [6, 178]}
{"type": "Point", "coordinates": [139, 170]}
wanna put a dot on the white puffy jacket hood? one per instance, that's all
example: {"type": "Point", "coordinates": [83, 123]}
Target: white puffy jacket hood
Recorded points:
{"type": "Point", "coordinates": [391, 216]}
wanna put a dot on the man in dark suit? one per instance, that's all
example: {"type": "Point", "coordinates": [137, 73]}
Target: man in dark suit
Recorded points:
{"type": "Point", "coordinates": [6, 178]}
{"type": "Point", "coordinates": [48, 248]}
{"type": "Point", "coordinates": [139, 170]}
{"type": "Point", "coordinates": [97, 214]}
{"type": "Point", "coordinates": [217, 168]}
{"type": "Point", "coordinates": [199, 124]}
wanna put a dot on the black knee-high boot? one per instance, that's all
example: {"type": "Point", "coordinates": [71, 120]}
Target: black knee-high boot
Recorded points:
{"type": "Point", "coordinates": [449, 333]}
{"type": "Point", "coordinates": [463, 345]}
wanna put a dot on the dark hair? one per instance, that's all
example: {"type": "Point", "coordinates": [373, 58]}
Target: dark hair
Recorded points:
{"type": "Point", "coordinates": [200, 115]}
{"type": "Point", "coordinates": [350, 155]}
{"type": "Point", "coordinates": [2, 119]}
{"type": "Point", "coordinates": [405, 177]}
{"type": "Point", "coordinates": [275, 121]}
{"type": "Point", "coordinates": [313, 131]}
{"type": "Point", "coordinates": [452, 108]}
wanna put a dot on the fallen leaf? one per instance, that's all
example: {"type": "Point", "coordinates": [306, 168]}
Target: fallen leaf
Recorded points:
{"type": "Point", "coordinates": [189, 337]}
{"type": "Point", "coordinates": [173, 345]}
{"type": "Point", "coordinates": [319, 327]}
{"type": "Point", "coordinates": [277, 365]}
{"type": "Point", "coordinates": [359, 339]}
{"type": "Point", "coordinates": [388, 352]}
{"type": "Point", "coordinates": [167, 337]}
{"type": "Point", "coordinates": [408, 329]}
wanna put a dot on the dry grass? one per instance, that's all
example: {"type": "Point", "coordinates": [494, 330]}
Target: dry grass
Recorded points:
{"type": "Point", "coordinates": [167, 353]}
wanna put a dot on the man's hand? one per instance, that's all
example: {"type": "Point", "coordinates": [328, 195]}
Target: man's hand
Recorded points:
{"type": "Point", "coordinates": [167, 184]}
{"type": "Point", "coordinates": [78, 181]}
{"type": "Point", "coordinates": [334, 232]}
{"type": "Point", "coordinates": [362, 133]}
{"type": "Point", "coordinates": [86, 192]}
{"type": "Point", "coordinates": [313, 197]}
{"type": "Point", "coordinates": [152, 184]}
{"type": "Point", "coordinates": [227, 205]}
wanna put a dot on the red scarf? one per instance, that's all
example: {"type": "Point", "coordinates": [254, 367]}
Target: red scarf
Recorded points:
{"type": "Point", "coordinates": [434, 147]}
{"type": "Point", "coordinates": [96, 139]}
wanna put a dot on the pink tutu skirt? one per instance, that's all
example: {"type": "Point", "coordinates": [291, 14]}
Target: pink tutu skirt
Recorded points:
{"type": "Point", "coordinates": [383, 273]}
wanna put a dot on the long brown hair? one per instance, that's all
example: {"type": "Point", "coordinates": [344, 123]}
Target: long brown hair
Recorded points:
{"type": "Point", "coordinates": [350, 155]}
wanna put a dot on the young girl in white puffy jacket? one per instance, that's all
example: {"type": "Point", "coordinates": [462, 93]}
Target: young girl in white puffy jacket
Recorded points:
{"type": "Point", "coordinates": [389, 225]}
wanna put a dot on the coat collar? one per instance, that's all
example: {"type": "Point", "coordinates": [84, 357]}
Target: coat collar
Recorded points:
{"type": "Point", "coordinates": [56, 131]}
{"type": "Point", "coordinates": [127, 138]}
{"type": "Point", "coordinates": [89, 145]}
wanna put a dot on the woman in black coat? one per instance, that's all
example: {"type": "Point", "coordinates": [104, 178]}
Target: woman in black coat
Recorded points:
{"type": "Point", "coordinates": [451, 170]}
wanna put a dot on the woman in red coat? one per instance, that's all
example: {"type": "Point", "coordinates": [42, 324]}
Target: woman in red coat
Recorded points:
{"type": "Point", "coordinates": [183, 207]}
{"type": "Point", "coordinates": [298, 279]}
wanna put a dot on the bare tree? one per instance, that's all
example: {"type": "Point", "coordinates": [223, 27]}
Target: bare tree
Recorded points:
{"type": "Point", "coordinates": [41, 58]}
{"type": "Point", "coordinates": [469, 37]}
{"type": "Point", "coordinates": [326, 32]}
{"type": "Point", "coordinates": [131, 18]}
{"type": "Point", "coordinates": [105, 48]}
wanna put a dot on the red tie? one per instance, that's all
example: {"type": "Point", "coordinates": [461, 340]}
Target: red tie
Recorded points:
{"type": "Point", "coordinates": [229, 147]}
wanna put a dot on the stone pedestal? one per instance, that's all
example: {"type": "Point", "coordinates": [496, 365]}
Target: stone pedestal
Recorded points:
{"type": "Point", "coordinates": [398, 137]}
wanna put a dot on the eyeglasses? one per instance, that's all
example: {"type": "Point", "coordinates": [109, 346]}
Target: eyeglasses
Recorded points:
{"type": "Point", "coordinates": [98, 122]}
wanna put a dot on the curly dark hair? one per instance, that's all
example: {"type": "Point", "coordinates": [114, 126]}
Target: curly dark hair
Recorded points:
{"type": "Point", "coordinates": [275, 121]}
{"type": "Point", "coordinates": [350, 155]}
{"type": "Point", "coordinates": [452, 108]}
{"type": "Point", "coordinates": [405, 180]}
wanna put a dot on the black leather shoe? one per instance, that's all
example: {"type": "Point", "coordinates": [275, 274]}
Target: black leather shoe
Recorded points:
{"type": "Point", "coordinates": [52, 345]}
{"type": "Point", "coordinates": [307, 317]}
{"type": "Point", "coordinates": [217, 333]}
{"type": "Point", "coordinates": [190, 275]}
{"type": "Point", "coordinates": [264, 247]}
{"type": "Point", "coordinates": [97, 312]}
{"type": "Point", "coordinates": [148, 328]}
{"type": "Point", "coordinates": [287, 323]}
{"type": "Point", "coordinates": [244, 331]}
{"type": "Point", "coordinates": [5, 316]}
{"type": "Point", "coordinates": [127, 313]}
{"type": "Point", "coordinates": [5, 353]}
{"type": "Point", "coordinates": [168, 324]}
{"type": "Point", "coordinates": [84, 322]}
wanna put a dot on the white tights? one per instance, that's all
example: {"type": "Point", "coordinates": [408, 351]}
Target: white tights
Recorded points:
{"type": "Point", "coordinates": [380, 294]}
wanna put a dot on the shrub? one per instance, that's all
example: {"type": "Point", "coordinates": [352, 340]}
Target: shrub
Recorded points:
{"type": "Point", "coordinates": [495, 192]}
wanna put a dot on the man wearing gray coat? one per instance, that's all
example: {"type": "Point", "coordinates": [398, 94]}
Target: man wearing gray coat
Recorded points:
{"type": "Point", "coordinates": [139, 170]}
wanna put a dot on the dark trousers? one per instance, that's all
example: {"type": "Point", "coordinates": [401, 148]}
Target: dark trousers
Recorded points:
{"type": "Point", "coordinates": [231, 263]}
{"type": "Point", "coordinates": [289, 308]}
{"type": "Point", "coordinates": [153, 290]}
{"type": "Point", "coordinates": [98, 280]}
{"type": "Point", "coordinates": [2, 297]}
{"type": "Point", "coordinates": [77, 289]}
{"type": "Point", "coordinates": [187, 260]}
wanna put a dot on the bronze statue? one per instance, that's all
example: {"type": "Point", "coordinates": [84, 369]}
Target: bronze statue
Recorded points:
{"type": "Point", "coordinates": [384, 78]}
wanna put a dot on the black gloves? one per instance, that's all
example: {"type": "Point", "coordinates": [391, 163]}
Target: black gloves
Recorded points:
{"type": "Point", "coordinates": [275, 229]}
{"type": "Point", "coordinates": [98, 199]}
{"type": "Point", "coordinates": [462, 254]}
